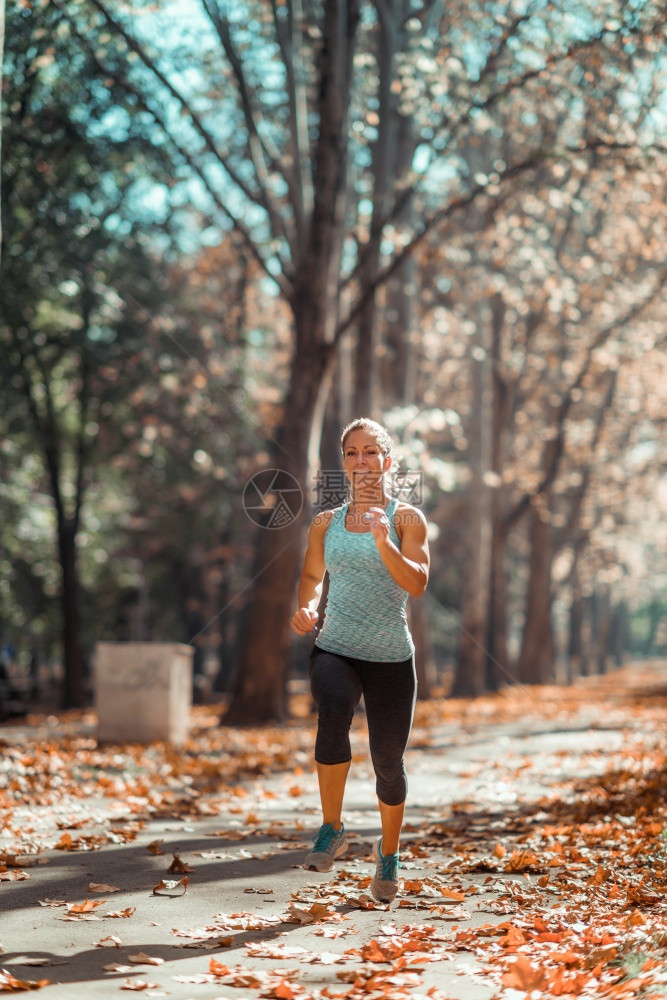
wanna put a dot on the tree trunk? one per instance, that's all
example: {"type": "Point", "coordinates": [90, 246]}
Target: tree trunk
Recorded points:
{"type": "Point", "coordinates": [470, 674]}
{"type": "Point", "coordinates": [73, 693]}
{"type": "Point", "coordinates": [602, 628]}
{"type": "Point", "coordinates": [390, 41]}
{"type": "Point", "coordinates": [618, 633]}
{"type": "Point", "coordinates": [2, 47]}
{"type": "Point", "coordinates": [260, 688]}
{"type": "Point", "coordinates": [575, 639]}
{"type": "Point", "coordinates": [399, 363]}
{"type": "Point", "coordinates": [654, 618]}
{"type": "Point", "coordinates": [535, 664]}
{"type": "Point", "coordinates": [498, 670]}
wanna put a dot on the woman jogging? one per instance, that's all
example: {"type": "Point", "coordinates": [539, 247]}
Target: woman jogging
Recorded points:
{"type": "Point", "coordinates": [375, 549]}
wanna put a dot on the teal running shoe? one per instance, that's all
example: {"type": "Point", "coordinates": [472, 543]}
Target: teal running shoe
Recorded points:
{"type": "Point", "coordinates": [384, 884]}
{"type": "Point", "coordinates": [328, 845]}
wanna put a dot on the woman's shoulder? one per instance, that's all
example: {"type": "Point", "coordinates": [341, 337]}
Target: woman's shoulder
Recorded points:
{"type": "Point", "coordinates": [408, 516]}
{"type": "Point", "coordinates": [323, 518]}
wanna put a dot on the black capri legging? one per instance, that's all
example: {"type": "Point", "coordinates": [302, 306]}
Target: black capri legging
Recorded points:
{"type": "Point", "coordinates": [389, 689]}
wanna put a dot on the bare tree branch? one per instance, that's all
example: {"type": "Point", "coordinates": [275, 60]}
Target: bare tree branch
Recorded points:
{"type": "Point", "coordinates": [568, 398]}
{"type": "Point", "coordinates": [300, 178]}
{"type": "Point", "coordinates": [186, 155]}
{"type": "Point", "coordinates": [412, 183]}
{"type": "Point", "coordinates": [261, 197]}
{"type": "Point", "coordinates": [258, 148]}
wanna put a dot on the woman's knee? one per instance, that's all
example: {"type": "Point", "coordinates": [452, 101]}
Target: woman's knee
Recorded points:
{"type": "Point", "coordinates": [332, 743]}
{"type": "Point", "coordinates": [391, 783]}
{"type": "Point", "coordinates": [392, 789]}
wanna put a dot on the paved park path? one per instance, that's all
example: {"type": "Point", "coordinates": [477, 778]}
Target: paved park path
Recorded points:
{"type": "Point", "coordinates": [533, 857]}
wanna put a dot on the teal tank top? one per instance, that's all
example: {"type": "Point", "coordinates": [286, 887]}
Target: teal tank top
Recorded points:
{"type": "Point", "coordinates": [365, 610]}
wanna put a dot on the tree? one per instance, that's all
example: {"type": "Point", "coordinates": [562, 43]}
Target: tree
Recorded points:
{"type": "Point", "coordinates": [77, 280]}
{"type": "Point", "coordinates": [294, 140]}
{"type": "Point", "coordinates": [566, 283]}
{"type": "Point", "coordinates": [2, 46]}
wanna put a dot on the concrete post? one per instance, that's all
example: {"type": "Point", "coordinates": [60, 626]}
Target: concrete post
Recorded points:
{"type": "Point", "coordinates": [143, 691]}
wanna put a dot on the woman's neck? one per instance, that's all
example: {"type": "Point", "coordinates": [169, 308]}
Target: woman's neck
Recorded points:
{"type": "Point", "coordinates": [365, 504]}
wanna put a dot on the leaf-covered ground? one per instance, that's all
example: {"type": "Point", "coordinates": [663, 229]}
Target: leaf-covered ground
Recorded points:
{"type": "Point", "coordinates": [534, 856]}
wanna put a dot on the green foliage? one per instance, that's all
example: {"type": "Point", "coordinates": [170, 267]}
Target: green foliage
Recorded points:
{"type": "Point", "coordinates": [142, 370]}
{"type": "Point", "coordinates": [108, 391]}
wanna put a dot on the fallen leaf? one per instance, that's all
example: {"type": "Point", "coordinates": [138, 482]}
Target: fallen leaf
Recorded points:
{"type": "Point", "coordinates": [85, 907]}
{"type": "Point", "coordinates": [521, 861]}
{"type": "Point", "coordinates": [101, 887]}
{"type": "Point", "coordinates": [138, 984]}
{"type": "Point", "coordinates": [524, 976]}
{"type": "Point", "coordinates": [168, 885]}
{"type": "Point", "coordinates": [140, 958]}
{"type": "Point", "coordinates": [452, 894]}
{"type": "Point", "coordinates": [154, 847]}
{"type": "Point", "coordinates": [197, 978]}
{"type": "Point", "coordinates": [276, 951]}
{"type": "Point", "coordinates": [217, 968]}
{"type": "Point", "coordinates": [65, 843]}
{"type": "Point", "coordinates": [283, 990]}
{"type": "Point", "coordinates": [110, 941]}
{"type": "Point", "coordinates": [178, 866]}
{"type": "Point", "coordinates": [300, 915]}
{"type": "Point", "coordinates": [10, 984]}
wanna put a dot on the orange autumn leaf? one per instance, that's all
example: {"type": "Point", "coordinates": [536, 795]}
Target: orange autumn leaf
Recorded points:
{"type": "Point", "coordinates": [513, 938]}
{"type": "Point", "coordinates": [520, 861]}
{"type": "Point", "coordinates": [372, 952]}
{"type": "Point", "coordinates": [601, 875]}
{"type": "Point", "coordinates": [141, 958]}
{"type": "Point", "coordinates": [154, 847]}
{"type": "Point", "coordinates": [86, 907]}
{"type": "Point", "coordinates": [566, 957]}
{"type": "Point", "coordinates": [179, 866]}
{"type": "Point", "coordinates": [499, 851]}
{"type": "Point", "coordinates": [110, 941]}
{"type": "Point", "coordinates": [282, 991]}
{"type": "Point", "coordinates": [524, 976]}
{"type": "Point", "coordinates": [217, 968]}
{"type": "Point", "coordinates": [413, 885]}
{"type": "Point", "coordinates": [452, 894]}
{"type": "Point", "coordinates": [166, 885]}
{"type": "Point", "coordinates": [65, 843]}
{"type": "Point", "coordinates": [10, 984]}
{"type": "Point", "coordinates": [311, 914]}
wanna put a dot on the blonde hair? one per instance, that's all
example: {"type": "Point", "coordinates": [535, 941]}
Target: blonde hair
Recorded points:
{"type": "Point", "coordinates": [384, 441]}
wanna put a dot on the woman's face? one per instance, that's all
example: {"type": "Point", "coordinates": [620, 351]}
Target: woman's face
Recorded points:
{"type": "Point", "coordinates": [363, 461]}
